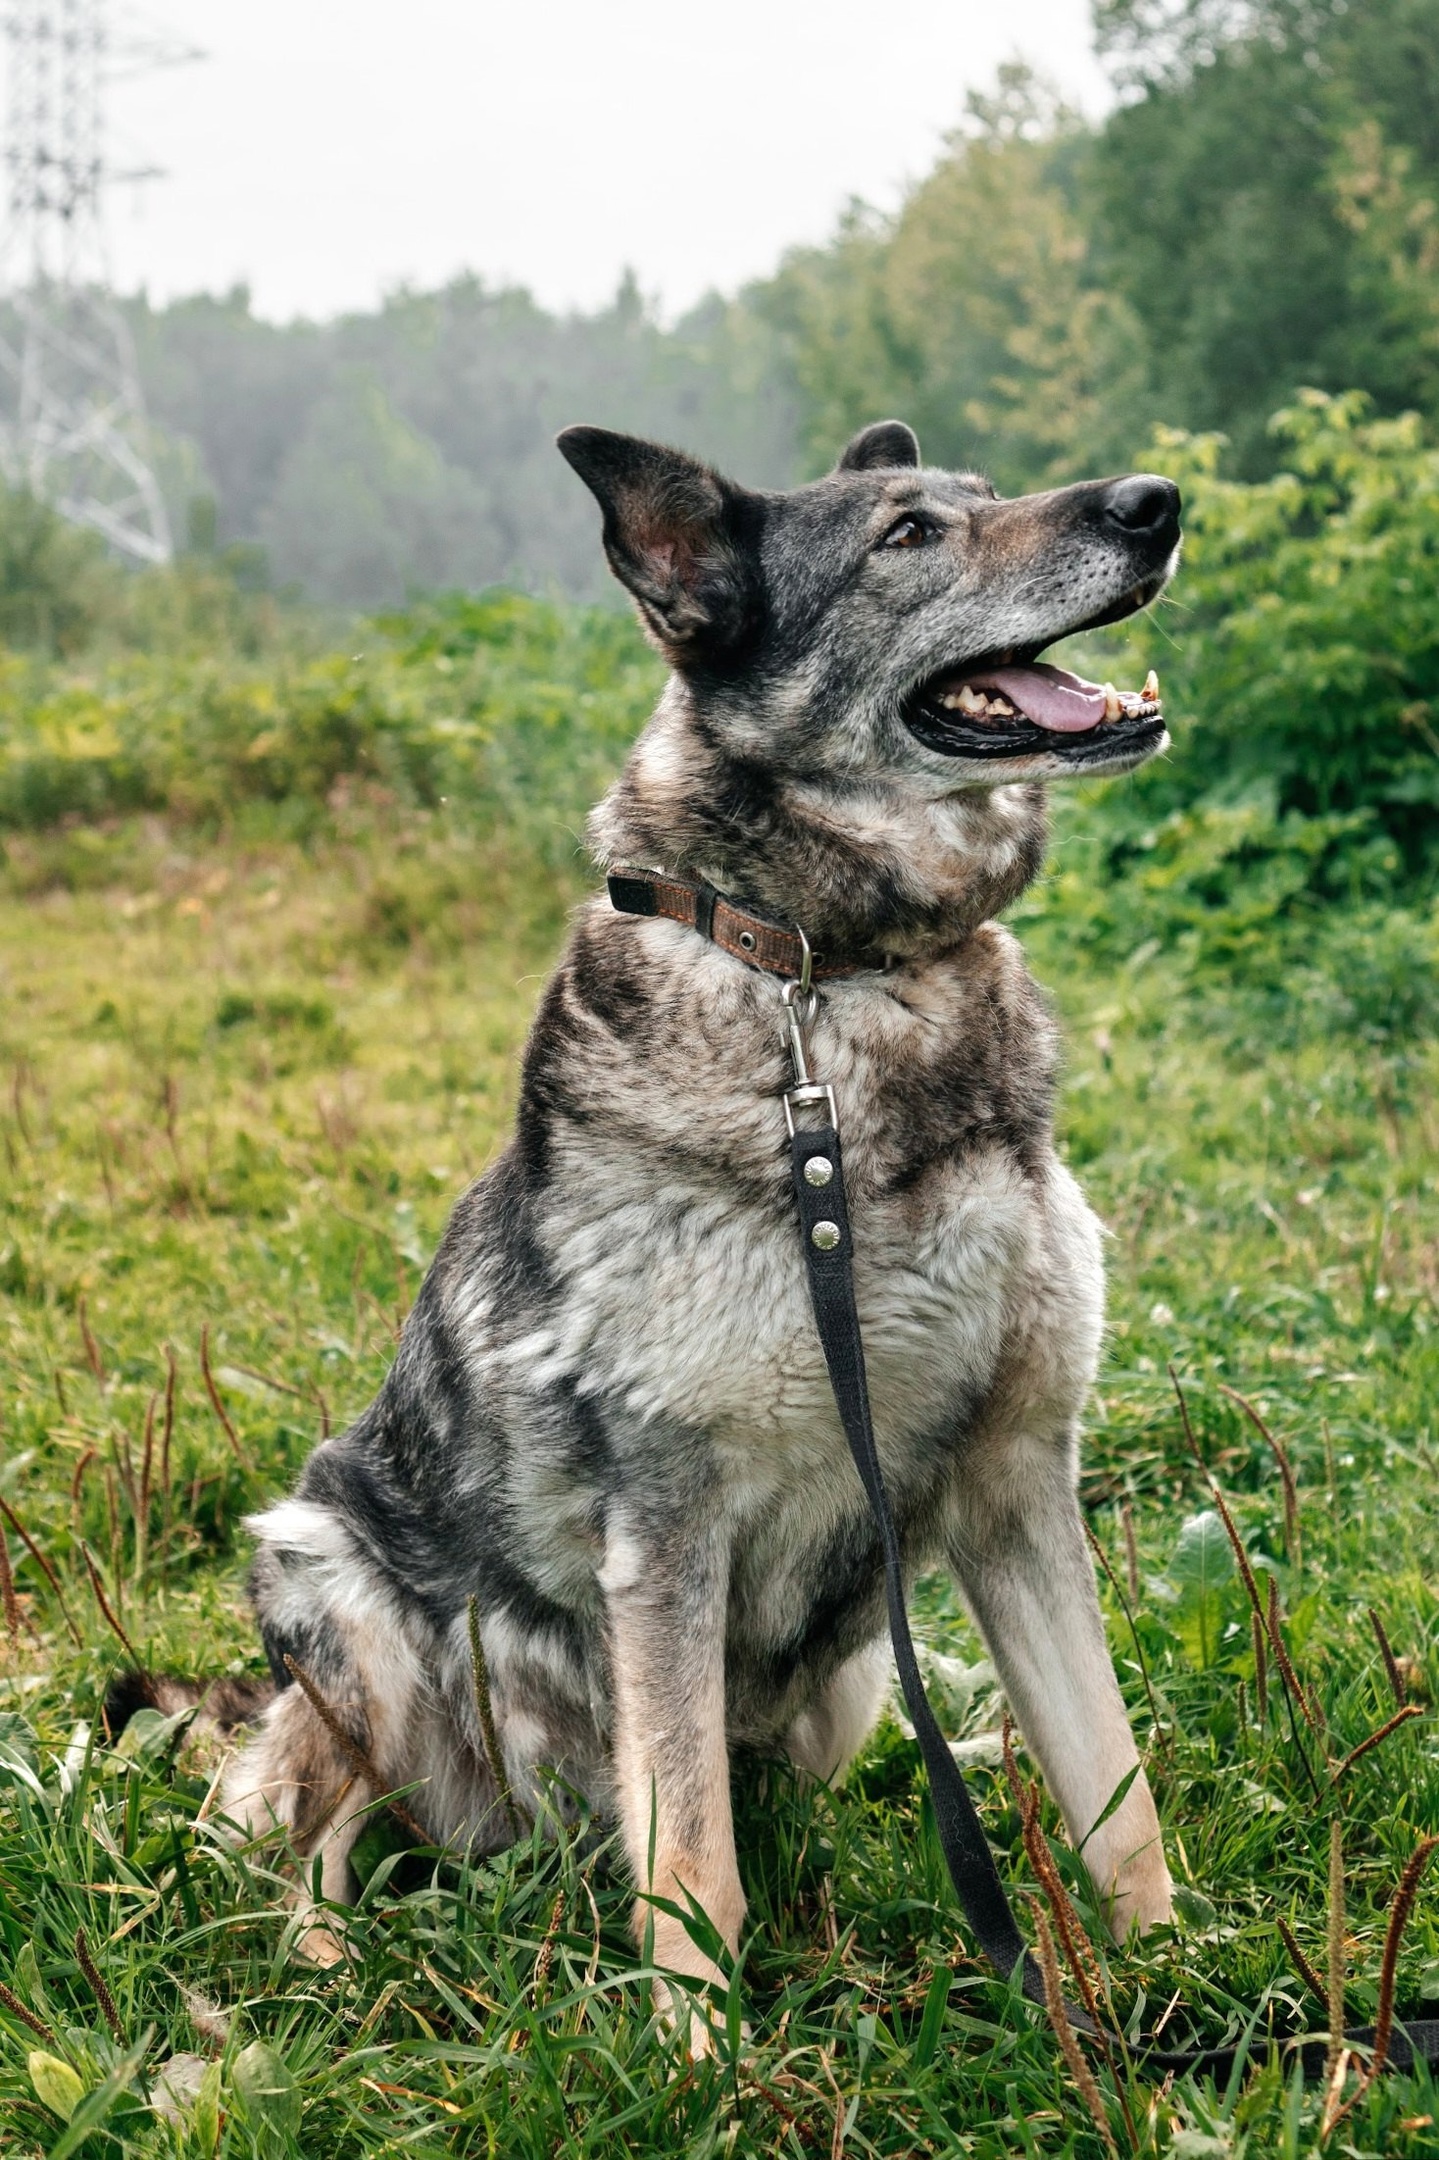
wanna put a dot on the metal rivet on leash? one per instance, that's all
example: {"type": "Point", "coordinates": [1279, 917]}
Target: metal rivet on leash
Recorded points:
{"type": "Point", "coordinates": [825, 1235]}
{"type": "Point", "coordinates": [819, 1170]}
{"type": "Point", "coordinates": [746, 938]}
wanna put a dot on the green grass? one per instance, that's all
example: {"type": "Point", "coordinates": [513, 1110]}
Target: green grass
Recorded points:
{"type": "Point", "coordinates": [242, 1085]}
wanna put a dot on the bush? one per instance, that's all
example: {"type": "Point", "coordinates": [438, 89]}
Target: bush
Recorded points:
{"type": "Point", "coordinates": [1307, 639]}
{"type": "Point", "coordinates": [508, 710]}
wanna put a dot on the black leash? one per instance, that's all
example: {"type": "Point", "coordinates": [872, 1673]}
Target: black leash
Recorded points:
{"type": "Point", "coordinates": [818, 1171]}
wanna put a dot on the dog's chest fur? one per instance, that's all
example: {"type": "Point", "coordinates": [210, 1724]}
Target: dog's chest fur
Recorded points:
{"type": "Point", "coordinates": [666, 1290]}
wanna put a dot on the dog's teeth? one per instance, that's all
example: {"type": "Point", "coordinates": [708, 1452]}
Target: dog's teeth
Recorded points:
{"type": "Point", "coordinates": [1001, 708]}
{"type": "Point", "coordinates": [966, 700]}
{"type": "Point", "coordinates": [1113, 705]}
{"type": "Point", "coordinates": [1151, 687]}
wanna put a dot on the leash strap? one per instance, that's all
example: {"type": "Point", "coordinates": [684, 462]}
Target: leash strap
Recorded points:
{"type": "Point", "coordinates": [824, 1223]}
{"type": "Point", "coordinates": [817, 1166]}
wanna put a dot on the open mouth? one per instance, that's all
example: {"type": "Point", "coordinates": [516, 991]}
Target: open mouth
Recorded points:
{"type": "Point", "coordinates": [1011, 705]}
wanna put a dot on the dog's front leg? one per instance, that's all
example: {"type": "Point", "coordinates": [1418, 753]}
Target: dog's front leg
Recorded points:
{"type": "Point", "coordinates": [1019, 1552]}
{"type": "Point", "coordinates": [666, 1585]}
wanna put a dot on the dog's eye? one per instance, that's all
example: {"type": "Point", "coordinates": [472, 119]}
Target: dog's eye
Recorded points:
{"type": "Point", "coordinates": [909, 532]}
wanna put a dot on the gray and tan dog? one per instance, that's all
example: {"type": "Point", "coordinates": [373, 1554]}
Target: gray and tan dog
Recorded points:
{"type": "Point", "coordinates": [609, 1419]}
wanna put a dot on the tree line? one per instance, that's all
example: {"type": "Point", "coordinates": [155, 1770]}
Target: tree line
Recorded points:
{"type": "Point", "coordinates": [1258, 213]}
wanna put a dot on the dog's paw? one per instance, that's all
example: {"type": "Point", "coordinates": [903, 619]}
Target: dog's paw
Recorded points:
{"type": "Point", "coordinates": [702, 2024]}
{"type": "Point", "coordinates": [322, 1942]}
{"type": "Point", "coordinates": [1142, 1897]}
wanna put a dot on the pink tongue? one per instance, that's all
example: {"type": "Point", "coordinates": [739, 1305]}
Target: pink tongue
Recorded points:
{"type": "Point", "coordinates": [1050, 696]}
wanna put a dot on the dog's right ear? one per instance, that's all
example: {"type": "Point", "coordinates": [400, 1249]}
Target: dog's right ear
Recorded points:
{"type": "Point", "coordinates": [885, 442]}
{"type": "Point", "coordinates": [677, 535]}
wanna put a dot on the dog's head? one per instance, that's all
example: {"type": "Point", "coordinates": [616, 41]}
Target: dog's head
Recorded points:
{"type": "Point", "coordinates": [885, 624]}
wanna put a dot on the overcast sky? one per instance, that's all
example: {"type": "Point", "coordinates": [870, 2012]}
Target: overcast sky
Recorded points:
{"type": "Point", "coordinates": [327, 153]}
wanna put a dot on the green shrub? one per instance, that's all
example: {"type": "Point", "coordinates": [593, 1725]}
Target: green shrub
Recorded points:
{"type": "Point", "coordinates": [1306, 629]}
{"type": "Point", "coordinates": [507, 710]}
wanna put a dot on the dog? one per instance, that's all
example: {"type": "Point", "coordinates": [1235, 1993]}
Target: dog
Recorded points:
{"type": "Point", "coordinates": [608, 1422]}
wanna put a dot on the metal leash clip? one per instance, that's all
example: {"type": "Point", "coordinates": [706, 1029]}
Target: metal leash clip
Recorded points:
{"type": "Point", "coordinates": [801, 1006]}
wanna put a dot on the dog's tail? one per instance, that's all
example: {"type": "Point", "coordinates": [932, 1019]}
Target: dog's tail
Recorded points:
{"type": "Point", "coordinates": [220, 1706]}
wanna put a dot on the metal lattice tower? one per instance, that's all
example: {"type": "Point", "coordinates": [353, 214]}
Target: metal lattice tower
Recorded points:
{"type": "Point", "coordinates": [72, 418]}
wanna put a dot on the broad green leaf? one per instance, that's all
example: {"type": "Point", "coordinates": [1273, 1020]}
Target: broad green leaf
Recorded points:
{"type": "Point", "coordinates": [55, 2083]}
{"type": "Point", "coordinates": [266, 2088]}
{"type": "Point", "coordinates": [1200, 1570]}
{"type": "Point", "coordinates": [1193, 1909]}
{"type": "Point", "coordinates": [27, 1977]}
{"type": "Point", "coordinates": [95, 2106]}
{"type": "Point", "coordinates": [1203, 1558]}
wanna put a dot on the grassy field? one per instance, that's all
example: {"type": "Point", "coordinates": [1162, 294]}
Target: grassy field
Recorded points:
{"type": "Point", "coordinates": [242, 1085]}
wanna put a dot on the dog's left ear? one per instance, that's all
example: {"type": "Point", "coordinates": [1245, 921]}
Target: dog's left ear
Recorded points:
{"type": "Point", "coordinates": [886, 442]}
{"type": "Point", "coordinates": [679, 536]}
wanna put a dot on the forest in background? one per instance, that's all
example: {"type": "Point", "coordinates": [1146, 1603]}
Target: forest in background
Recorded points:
{"type": "Point", "coordinates": [1257, 215]}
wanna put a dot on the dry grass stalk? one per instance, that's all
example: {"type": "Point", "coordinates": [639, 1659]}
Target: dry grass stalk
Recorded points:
{"type": "Point", "coordinates": [1400, 1717]}
{"type": "Point", "coordinates": [214, 1394]}
{"type": "Point", "coordinates": [1078, 1949]}
{"type": "Point", "coordinates": [1292, 1551]}
{"type": "Point", "coordinates": [8, 1598]}
{"type": "Point", "coordinates": [359, 1759]}
{"type": "Point", "coordinates": [1064, 2033]}
{"type": "Point", "coordinates": [1261, 1670]}
{"type": "Point", "coordinates": [1011, 1768]}
{"type": "Point", "coordinates": [1335, 2105]}
{"type": "Point", "coordinates": [44, 1566]}
{"type": "Point", "coordinates": [1397, 1687]}
{"type": "Point", "coordinates": [1302, 1965]}
{"type": "Point", "coordinates": [167, 1430]}
{"type": "Point", "coordinates": [1184, 1420]}
{"type": "Point", "coordinates": [547, 1949]}
{"type": "Point", "coordinates": [1270, 1616]}
{"type": "Point", "coordinates": [92, 1349]}
{"type": "Point", "coordinates": [106, 1608]}
{"type": "Point", "coordinates": [1334, 2059]}
{"type": "Point", "coordinates": [147, 1454]}
{"type": "Point", "coordinates": [1026, 1799]}
{"type": "Point", "coordinates": [785, 2112]}
{"type": "Point", "coordinates": [1399, 1912]}
{"type": "Point", "coordinates": [485, 1710]}
{"type": "Point", "coordinates": [98, 1988]}
{"type": "Point", "coordinates": [76, 1482]}
{"type": "Point", "coordinates": [1131, 1551]}
{"type": "Point", "coordinates": [26, 2015]}
{"type": "Point", "coordinates": [125, 1467]}
{"type": "Point", "coordinates": [1241, 1550]}
{"type": "Point", "coordinates": [1281, 1658]}
{"type": "Point", "coordinates": [112, 1512]}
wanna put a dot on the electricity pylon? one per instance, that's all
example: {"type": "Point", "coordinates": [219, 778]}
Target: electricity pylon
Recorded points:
{"type": "Point", "coordinates": [72, 417]}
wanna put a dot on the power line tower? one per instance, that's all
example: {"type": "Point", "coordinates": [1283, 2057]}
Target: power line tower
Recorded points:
{"type": "Point", "coordinates": [72, 417]}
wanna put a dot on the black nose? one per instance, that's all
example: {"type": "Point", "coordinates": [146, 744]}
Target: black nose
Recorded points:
{"type": "Point", "coordinates": [1145, 507]}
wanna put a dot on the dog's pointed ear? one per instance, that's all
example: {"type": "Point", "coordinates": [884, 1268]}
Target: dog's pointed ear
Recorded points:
{"type": "Point", "coordinates": [679, 536]}
{"type": "Point", "coordinates": [886, 442]}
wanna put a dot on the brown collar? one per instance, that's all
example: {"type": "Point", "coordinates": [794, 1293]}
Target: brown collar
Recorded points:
{"type": "Point", "coordinates": [735, 930]}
